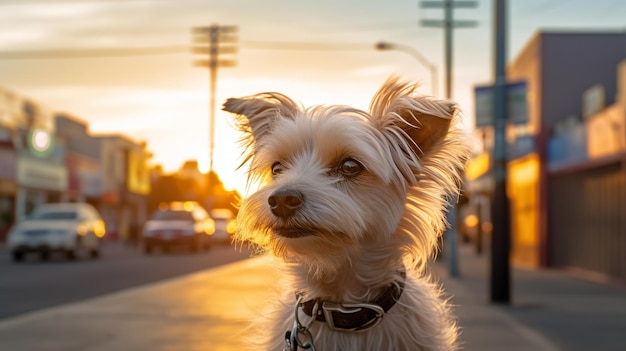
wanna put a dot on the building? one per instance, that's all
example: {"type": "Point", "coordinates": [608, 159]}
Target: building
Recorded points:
{"type": "Point", "coordinates": [82, 159]}
{"type": "Point", "coordinates": [47, 157]}
{"type": "Point", "coordinates": [33, 169]}
{"type": "Point", "coordinates": [109, 171]}
{"type": "Point", "coordinates": [586, 176]}
{"type": "Point", "coordinates": [126, 185]}
{"type": "Point", "coordinates": [567, 165]}
{"type": "Point", "coordinates": [8, 163]}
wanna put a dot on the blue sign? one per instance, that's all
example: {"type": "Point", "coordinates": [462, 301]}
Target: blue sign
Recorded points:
{"type": "Point", "coordinates": [517, 106]}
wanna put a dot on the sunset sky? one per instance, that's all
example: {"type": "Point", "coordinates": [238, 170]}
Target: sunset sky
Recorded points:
{"type": "Point", "coordinates": [317, 52]}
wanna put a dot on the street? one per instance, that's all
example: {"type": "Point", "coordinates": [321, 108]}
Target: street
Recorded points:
{"type": "Point", "coordinates": [209, 309]}
{"type": "Point", "coordinates": [35, 284]}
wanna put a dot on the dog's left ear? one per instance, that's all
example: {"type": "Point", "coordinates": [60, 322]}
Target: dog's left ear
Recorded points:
{"type": "Point", "coordinates": [425, 120]}
{"type": "Point", "coordinates": [260, 112]}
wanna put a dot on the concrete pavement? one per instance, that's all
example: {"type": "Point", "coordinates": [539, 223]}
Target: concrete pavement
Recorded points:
{"type": "Point", "coordinates": [209, 310]}
{"type": "Point", "coordinates": [552, 308]}
{"type": "Point", "coordinates": [202, 311]}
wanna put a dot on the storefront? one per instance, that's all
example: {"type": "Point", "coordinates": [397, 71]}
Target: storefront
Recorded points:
{"type": "Point", "coordinates": [39, 181]}
{"type": "Point", "coordinates": [8, 188]}
{"type": "Point", "coordinates": [40, 174]}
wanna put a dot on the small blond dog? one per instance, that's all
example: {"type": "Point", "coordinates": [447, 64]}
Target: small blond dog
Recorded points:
{"type": "Point", "coordinates": [352, 203]}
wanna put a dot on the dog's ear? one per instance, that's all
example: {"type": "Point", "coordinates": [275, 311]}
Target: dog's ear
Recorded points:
{"type": "Point", "coordinates": [425, 120]}
{"type": "Point", "coordinates": [259, 112]}
{"type": "Point", "coordinates": [423, 128]}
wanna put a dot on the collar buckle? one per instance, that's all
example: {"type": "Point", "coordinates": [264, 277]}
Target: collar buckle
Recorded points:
{"type": "Point", "coordinates": [340, 314]}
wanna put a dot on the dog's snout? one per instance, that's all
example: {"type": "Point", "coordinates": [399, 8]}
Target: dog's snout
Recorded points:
{"type": "Point", "coordinates": [285, 203]}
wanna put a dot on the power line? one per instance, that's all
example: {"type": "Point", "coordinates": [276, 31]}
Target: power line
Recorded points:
{"type": "Point", "coordinates": [90, 53]}
{"type": "Point", "coordinates": [61, 2]}
{"type": "Point", "coordinates": [305, 46]}
{"type": "Point", "coordinates": [353, 27]}
{"type": "Point", "coordinates": [173, 49]}
{"type": "Point", "coordinates": [541, 9]}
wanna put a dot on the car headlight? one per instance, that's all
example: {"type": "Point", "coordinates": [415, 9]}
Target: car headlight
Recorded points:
{"type": "Point", "coordinates": [99, 229]}
{"type": "Point", "coordinates": [209, 227]}
{"type": "Point", "coordinates": [231, 228]}
{"type": "Point", "coordinates": [82, 229]}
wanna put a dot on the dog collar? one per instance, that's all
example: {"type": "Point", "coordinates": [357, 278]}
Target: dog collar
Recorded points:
{"type": "Point", "coordinates": [354, 316]}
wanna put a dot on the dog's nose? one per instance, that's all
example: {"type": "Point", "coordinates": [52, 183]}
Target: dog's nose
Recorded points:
{"type": "Point", "coordinates": [285, 203]}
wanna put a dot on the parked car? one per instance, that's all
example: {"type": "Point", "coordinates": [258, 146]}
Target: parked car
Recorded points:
{"type": "Point", "coordinates": [225, 225]}
{"type": "Point", "coordinates": [70, 228]}
{"type": "Point", "coordinates": [178, 224]}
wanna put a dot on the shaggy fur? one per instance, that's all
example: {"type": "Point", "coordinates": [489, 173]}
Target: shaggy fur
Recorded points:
{"type": "Point", "coordinates": [375, 187]}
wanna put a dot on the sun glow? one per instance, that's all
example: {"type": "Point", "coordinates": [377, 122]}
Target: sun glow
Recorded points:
{"type": "Point", "coordinates": [203, 166]}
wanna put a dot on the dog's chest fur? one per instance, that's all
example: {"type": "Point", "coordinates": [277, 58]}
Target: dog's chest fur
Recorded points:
{"type": "Point", "coordinates": [419, 321]}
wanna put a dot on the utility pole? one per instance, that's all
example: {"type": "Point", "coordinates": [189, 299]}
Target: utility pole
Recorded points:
{"type": "Point", "coordinates": [448, 24]}
{"type": "Point", "coordinates": [501, 236]}
{"type": "Point", "coordinates": [210, 40]}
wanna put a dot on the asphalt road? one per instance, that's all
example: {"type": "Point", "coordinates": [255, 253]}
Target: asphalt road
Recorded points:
{"type": "Point", "coordinates": [34, 284]}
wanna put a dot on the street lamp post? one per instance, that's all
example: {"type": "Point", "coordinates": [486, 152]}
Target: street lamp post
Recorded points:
{"type": "Point", "coordinates": [381, 45]}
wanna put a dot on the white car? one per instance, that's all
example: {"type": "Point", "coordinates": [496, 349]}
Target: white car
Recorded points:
{"type": "Point", "coordinates": [70, 228]}
{"type": "Point", "coordinates": [178, 224]}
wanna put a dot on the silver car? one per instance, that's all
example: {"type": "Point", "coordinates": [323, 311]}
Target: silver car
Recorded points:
{"type": "Point", "coordinates": [178, 224]}
{"type": "Point", "coordinates": [70, 228]}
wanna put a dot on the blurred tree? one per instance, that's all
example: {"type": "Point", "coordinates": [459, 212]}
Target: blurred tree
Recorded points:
{"type": "Point", "coordinates": [165, 188]}
{"type": "Point", "coordinates": [179, 187]}
{"type": "Point", "coordinates": [219, 196]}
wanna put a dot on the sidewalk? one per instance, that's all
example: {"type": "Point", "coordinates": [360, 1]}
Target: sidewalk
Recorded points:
{"type": "Point", "coordinates": [208, 311]}
{"type": "Point", "coordinates": [549, 310]}
{"type": "Point", "coordinates": [485, 326]}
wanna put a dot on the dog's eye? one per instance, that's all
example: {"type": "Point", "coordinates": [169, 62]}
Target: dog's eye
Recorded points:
{"type": "Point", "coordinates": [277, 168]}
{"type": "Point", "coordinates": [350, 167]}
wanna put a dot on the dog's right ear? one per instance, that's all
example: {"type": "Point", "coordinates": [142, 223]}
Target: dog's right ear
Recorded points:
{"type": "Point", "coordinates": [258, 113]}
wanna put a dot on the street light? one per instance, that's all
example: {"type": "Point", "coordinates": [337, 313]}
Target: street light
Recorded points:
{"type": "Point", "coordinates": [381, 45]}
